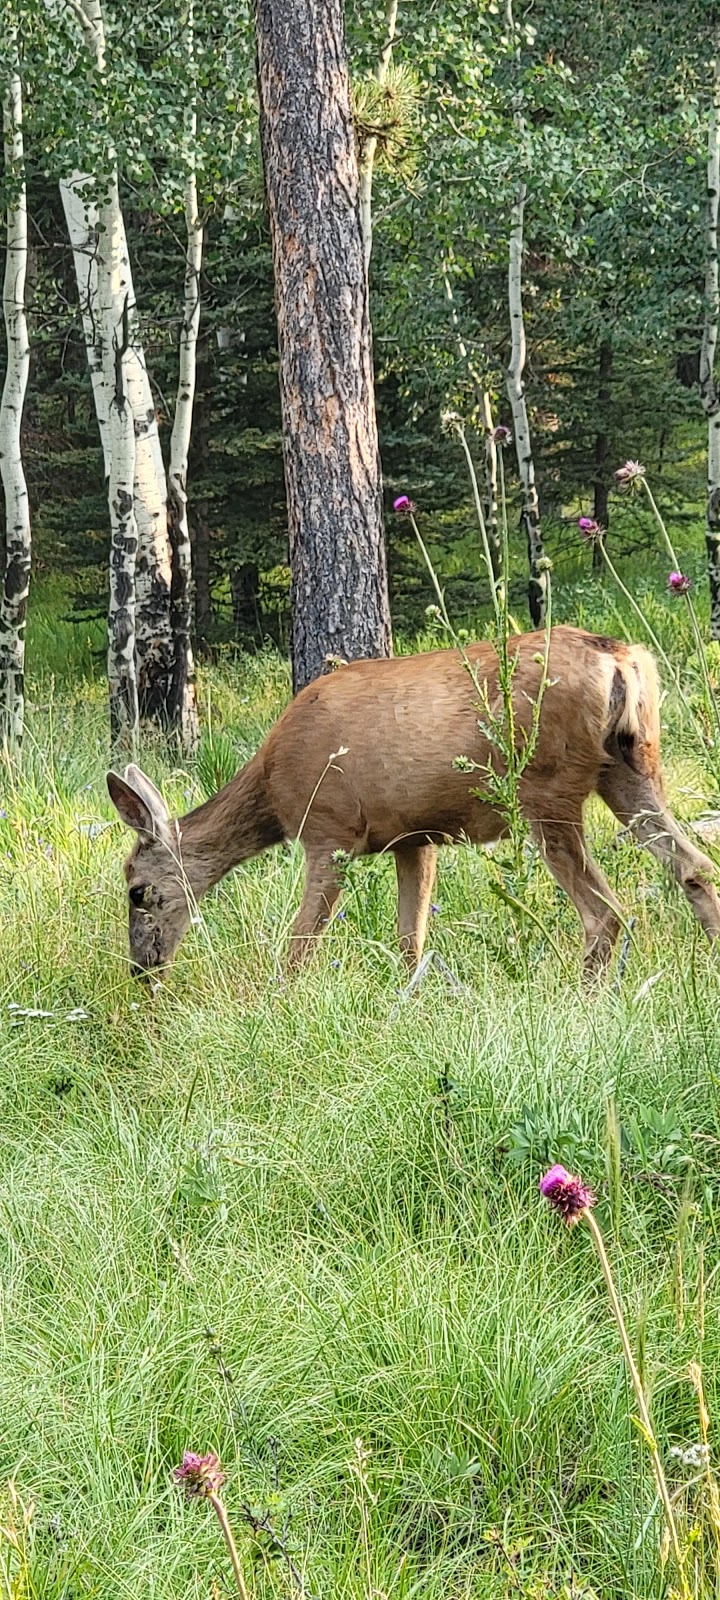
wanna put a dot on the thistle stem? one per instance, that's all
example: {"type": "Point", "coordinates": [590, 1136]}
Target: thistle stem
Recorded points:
{"type": "Point", "coordinates": [710, 700]}
{"type": "Point", "coordinates": [662, 1488]}
{"type": "Point", "coordinates": [222, 1516]}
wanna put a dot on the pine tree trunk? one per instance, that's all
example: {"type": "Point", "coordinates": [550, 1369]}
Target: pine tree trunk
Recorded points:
{"type": "Point", "coordinates": [332, 461]}
{"type": "Point", "coordinates": [247, 609]}
{"type": "Point", "coordinates": [602, 448]}
{"type": "Point", "coordinates": [530, 515]}
{"type": "Point", "coordinates": [16, 581]}
{"type": "Point", "coordinates": [708, 388]}
{"type": "Point", "coordinates": [367, 154]}
{"type": "Point", "coordinates": [182, 707]}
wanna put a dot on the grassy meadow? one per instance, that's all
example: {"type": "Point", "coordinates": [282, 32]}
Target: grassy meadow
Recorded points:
{"type": "Point", "coordinates": [297, 1223]}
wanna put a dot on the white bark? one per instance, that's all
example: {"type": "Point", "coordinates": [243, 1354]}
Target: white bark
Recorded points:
{"type": "Point", "coordinates": [81, 218]}
{"type": "Point", "coordinates": [367, 157]}
{"type": "Point", "coordinates": [16, 584]}
{"type": "Point", "coordinates": [114, 308]}
{"type": "Point", "coordinates": [185, 711]}
{"type": "Point", "coordinates": [530, 515]}
{"type": "Point", "coordinates": [154, 640]}
{"type": "Point", "coordinates": [708, 387]}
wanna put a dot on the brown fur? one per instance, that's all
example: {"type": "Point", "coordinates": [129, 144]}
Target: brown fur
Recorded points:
{"type": "Point", "coordinates": [362, 761]}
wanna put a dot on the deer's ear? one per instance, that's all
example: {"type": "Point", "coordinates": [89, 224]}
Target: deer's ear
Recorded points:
{"type": "Point", "coordinates": [133, 807]}
{"type": "Point", "coordinates": [147, 790]}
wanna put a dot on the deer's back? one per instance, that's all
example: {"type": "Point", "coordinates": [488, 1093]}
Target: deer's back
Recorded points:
{"type": "Point", "coordinates": [400, 724]}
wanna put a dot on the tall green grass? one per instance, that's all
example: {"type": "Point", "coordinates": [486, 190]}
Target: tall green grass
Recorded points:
{"type": "Point", "coordinates": [297, 1222]}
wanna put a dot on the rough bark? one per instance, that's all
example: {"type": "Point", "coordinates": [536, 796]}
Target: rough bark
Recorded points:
{"type": "Point", "coordinates": [601, 499]}
{"type": "Point", "coordinates": [367, 154]}
{"type": "Point", "coordinates": [708, 388]}
{"type": "Point", "coordinates": [530, 514]}
{"type": "Point", "coordinates": [332, 462]}
{"type": "Point", "coordinates": [18, 546]}
{"type": "Point", "coordinates": [182, 707]}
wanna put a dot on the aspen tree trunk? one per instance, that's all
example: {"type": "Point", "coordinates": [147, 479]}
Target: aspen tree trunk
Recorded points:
{"type": "Point", "coordinates": [16, 580]}
{"type": "Point", "coordinates": [601, 497]}
{"type": "Point", "coordinates": [367, 154]}
{"type": "Point", "coordinates": [530, 514]}
{"type": "Point", "coordinates": [159, 681]}
{"type": "Point", "coordinates": [332, 461]}
{"type": "Point", "coordinates": [182, 709]}
{"type": "Point", "coordinates": [708, 387]}
{"type": "Point", "coordinates": [122, 676]}
{"type": "Point", "coordinates": [83, 225]}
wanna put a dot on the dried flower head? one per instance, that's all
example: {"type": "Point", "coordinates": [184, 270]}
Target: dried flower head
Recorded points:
{"type": "Point", "coordinates": [200, 1476]}
{"type": "Point", "coordinates": [591, 530]}
{"type": "Point", "coordinates": [544, 564]}
{"type": "Point", "coordinates": [567, 1195]}
{"type": "Point", "coordinates": [678, 583]}
{"type": "Point", "coordinates": [403, 506]}
{"type": "Point", "coordinates": [502, 435]}
{"type": "Point", "coordinates": [434, 613]}
{"type": "Point", "coordinates": [628, 475]}
{"type": "Point", "coordinates": [451, 419]}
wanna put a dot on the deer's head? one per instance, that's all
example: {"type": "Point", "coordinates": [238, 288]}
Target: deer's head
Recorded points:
{"type": "Point", "coordinates": [159, 897]}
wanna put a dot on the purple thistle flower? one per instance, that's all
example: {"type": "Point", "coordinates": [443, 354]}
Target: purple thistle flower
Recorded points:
{"type": "Point", "coordinates": [591, 530]}
{"type": "Point", "coordinates": [567, 1195]}
{"type": "Point", "coordinates": [628, 474]}
{"type": "Point", "coordinates": [200, 1475]}
{"type": "Point", "coordinates": [403, 506]}
{"type": "Point", "coordinates": [678, 583]}
{"type": "Point", "coordinates": [434, 909]}
{"type": "Point", "coordinates": [502, 435]}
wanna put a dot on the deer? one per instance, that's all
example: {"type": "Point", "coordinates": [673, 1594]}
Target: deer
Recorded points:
{"type": "Point", "coordinates": [364, 761]}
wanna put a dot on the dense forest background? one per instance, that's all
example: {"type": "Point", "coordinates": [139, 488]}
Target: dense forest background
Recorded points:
{"type": "Point", "coordinates": [611, 144]}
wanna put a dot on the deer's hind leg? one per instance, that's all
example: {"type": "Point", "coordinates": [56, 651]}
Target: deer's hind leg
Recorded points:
{"type": "Point", "coordinates": [415, 865]}
{"type": "Point", "coordinates": [565, 852]}
{"type": "Point", "coordinates": [323, 883]}
{"type": "Point", "coordinates": [639, 806]}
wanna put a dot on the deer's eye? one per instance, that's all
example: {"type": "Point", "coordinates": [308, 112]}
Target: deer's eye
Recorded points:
{"type": "Point", "coordinates": [138, 894]}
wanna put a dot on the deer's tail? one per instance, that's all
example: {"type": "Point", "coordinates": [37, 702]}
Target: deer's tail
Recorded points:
{"type": "Point", "coordinates": [633, 731]}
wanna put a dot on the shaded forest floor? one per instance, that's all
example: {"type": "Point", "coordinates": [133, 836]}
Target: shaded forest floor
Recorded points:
{"type": "Point", "coordinates": [298, 1223]}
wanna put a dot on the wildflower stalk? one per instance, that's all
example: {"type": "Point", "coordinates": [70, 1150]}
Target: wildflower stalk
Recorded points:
{"type": "Point", "coordinates": [636, 1380]}
{"type": "Point", "coordinates": [434, 577]}
{"type": "Point", "coordinates": [573, 1201]}
{"type": "Point", "coordinates": [487, 556]}
{"type": "Point", "coordinates": [202, 1478]}
{"type": "Point", "coordinates": [713, 1495]}
{"type": "Point", "coordinates": [710, 701]}
{"type": "Point", "coordinates": [221, 1513]}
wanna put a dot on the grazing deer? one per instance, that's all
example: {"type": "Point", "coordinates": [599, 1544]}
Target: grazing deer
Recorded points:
{"type": "Point", "coordinates": [362, 762]}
